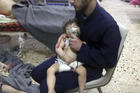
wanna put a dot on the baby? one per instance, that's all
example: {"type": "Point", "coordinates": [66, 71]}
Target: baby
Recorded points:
{"type": "Point", "coordinates": [66, 59]}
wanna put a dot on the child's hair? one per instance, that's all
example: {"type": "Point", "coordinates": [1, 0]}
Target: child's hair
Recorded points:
{"type": "Point", "coordinates": [70, 21]}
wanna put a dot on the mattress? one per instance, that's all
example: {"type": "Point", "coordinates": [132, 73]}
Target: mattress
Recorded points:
{"type": "Point", "coordinates": [9, 25]}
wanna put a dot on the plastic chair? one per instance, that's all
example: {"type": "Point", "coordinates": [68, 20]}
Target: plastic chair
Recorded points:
{"type": "Point", "coordinates": [105, 79]}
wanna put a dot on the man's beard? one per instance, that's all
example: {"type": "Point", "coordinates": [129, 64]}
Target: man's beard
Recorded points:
{"type": "Point", "coordinates": [84, 7]}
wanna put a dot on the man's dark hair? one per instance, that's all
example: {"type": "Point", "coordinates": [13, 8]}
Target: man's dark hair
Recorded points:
{"type": "Point", "coordinates": [70, 21]}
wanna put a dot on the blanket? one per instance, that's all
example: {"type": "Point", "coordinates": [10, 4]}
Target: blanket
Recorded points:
{"type": "Point", "coordinates": [19, 74]}
{"type": "Point", "coordinates": [10, 25]}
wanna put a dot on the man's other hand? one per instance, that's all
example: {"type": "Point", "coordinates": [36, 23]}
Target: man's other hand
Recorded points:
{"type": "Point", "coordinates": [75, 43]}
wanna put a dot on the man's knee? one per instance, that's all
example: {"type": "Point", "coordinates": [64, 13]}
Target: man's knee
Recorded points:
{"type": "Point", "coordinates": [39, 72]}
{"type": "Point", "coordinates": [34, 75]}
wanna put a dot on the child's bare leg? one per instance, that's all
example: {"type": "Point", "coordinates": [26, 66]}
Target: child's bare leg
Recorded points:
{"type": "Point", "coordinates": [81, 78]}
{"type": "Point", "coordinates": [9, 89]}
{"type": "Point", "coordinates": [51, 79]}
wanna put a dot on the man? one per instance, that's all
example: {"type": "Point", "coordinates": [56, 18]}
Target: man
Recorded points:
{"type": "Point", "coordinates": [102, 37]}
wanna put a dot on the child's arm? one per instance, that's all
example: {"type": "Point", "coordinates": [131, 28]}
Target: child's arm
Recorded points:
{"type": "Point", "coordinates": [59, 47]}
{"type": "Point", "coordinates": [65, 53]}
{"type": "Point", "coordinates": [63, 36]}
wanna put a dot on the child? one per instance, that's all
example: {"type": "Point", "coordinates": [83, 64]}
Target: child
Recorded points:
{"type": "Point", "coordinates": [67, 61]}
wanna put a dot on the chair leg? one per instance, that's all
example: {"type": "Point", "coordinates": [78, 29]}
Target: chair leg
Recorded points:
{"type": "Point", "coordinates": [99, 90]}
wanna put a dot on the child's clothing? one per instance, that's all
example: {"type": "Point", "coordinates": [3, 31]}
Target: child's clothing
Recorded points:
{"type": "Point", "coordinates": [67, 67]}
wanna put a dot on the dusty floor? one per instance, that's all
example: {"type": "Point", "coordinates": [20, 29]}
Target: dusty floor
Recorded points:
{"type": "Point", "coordinates": [126, 78]}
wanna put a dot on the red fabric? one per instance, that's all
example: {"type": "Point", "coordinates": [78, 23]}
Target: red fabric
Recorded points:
{"type": "Point", "coordinates": [135, 2]}
{"type": "Point", "coordinates": [3, 13]}
{"type": "Point", "coordinates": [11, 26]}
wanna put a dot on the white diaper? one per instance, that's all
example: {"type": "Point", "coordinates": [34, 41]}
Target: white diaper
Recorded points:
{"type": "Point", "coordinates": [65, 67]}
{"type": "Point", "coordinates": [75, 64]}
{"type": "Point", "coordinates": [62, 65]}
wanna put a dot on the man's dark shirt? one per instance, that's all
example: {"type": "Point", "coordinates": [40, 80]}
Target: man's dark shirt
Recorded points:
{"type": "Point", "coordinates": [101, 33]}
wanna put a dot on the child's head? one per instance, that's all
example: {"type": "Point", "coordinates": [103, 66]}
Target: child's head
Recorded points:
{"type": "Point", "coordinates": [71, 27]}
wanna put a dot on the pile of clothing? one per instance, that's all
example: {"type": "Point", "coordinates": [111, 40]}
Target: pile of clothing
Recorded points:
{"type": "Point", "coordinates": [9, 24]}
{"type": "Point", "coordinates": [19, 74]}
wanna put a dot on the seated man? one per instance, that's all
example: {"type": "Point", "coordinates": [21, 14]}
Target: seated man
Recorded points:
{"type": "Point", "coordinates": [101, 34]}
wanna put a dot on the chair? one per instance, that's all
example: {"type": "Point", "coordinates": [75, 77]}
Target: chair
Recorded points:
{"type": "Point", "coordinates": [105, 79]}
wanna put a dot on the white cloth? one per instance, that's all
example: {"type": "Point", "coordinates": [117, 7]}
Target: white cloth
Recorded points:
{"type": "Point", "coordinates": [67, 67]}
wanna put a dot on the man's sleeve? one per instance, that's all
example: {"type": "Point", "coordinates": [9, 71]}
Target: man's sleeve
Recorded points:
{"type": "Point", "coordinates": [106, 55]}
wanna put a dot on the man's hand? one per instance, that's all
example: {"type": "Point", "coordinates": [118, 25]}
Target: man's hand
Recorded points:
{"type": "Point", "coordinates": [75, 43]}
